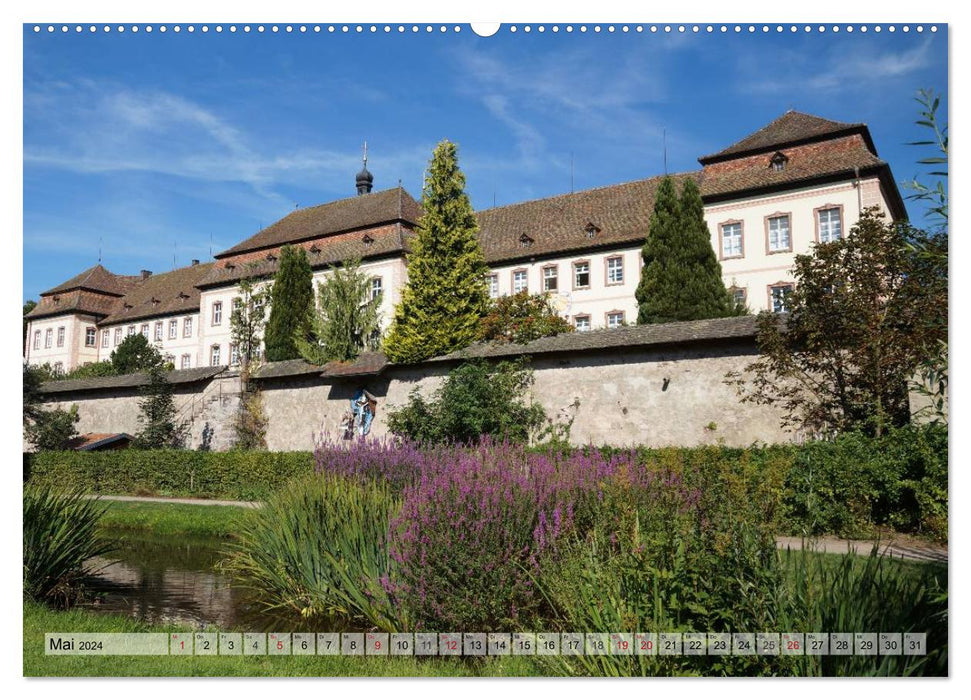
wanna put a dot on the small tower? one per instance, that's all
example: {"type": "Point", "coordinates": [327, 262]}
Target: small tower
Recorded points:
{"type": "Point", "coordinates": [365, 180]}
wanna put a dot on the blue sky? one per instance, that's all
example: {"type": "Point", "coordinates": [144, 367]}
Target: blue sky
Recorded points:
{"type": "Point", "coordinates": [156, 144]}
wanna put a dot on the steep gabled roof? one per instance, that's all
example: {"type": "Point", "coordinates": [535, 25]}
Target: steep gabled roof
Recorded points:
{"type": "Point", "coordinates": [163, 294]}
{"type": "Point", "coordinates": [789, 129]}
{"type": "Point", "coordinates": [585, 220]}
{"type": "Point", "coordinates": [362, 211]}
{"type": "Point", "coordinates": [96, 279]}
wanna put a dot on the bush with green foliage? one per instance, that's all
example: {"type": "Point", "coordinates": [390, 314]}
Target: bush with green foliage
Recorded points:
{"type": "Point", "coordinates": [136, 354]}
{"type": "Point", "coordinates": [60, 536]}
{"type": "Point", "coordinates": [232, 475]}
{"type": "Point", "coordinates": [681, 279]}
{"type": "Point", "coordinates": [52, 429]}
{"type": "Point", "coordinates": [318, 549]}
{"type": "Point", "coordinates": [346, 320]}
{"type": "Point", "coordinates": [855, 483]}
{"type": "Point", "coordinates": [521, 318]}
{"type": "Point", "coordinates": [160, 426]}
{"type": "Point", "coordinates": [292, 300]}
{"type": "Point", "coordinates": [477, 399]}
{"type": "Point", "coordinates": [446, 291]}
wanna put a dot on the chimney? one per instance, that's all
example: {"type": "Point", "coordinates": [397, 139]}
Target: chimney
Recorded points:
{"type": "Point", "coordinates": [195, 262]}
{"type": "Point", "coordinates": [146, 274]}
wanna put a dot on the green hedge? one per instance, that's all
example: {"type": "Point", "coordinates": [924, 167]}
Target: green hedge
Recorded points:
{"type": "Point", "coordinates": [232, 475]}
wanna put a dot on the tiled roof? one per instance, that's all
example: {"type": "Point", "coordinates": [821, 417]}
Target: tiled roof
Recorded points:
{"type": "Point", "coordinates": [97, 279]}
{"type": "Point", "coordinates": [584, 220]}
{"type": "Point", "coordinates": [348, 214]}
{"type": "Point", "coordinates": [368, 363]}
{"type": "Point", "coordinates": [791, 127]}
{"type": "Point", "coordinates": [92, 441]}
{"type": "Point", "coordinates": [805, 163]}
{"type": "Point", "coordinates": [331, 250]}
{"type": "Point", "coordinates": [75, 302]}
{"type": "Point", "coordinates": [625, 337]}
{"type": "Point", "coordinates": [285, 368]}
{"type": "Point", "coordinates": [166, 293]}
{"type": "Point", "coordinates": [179, 376]}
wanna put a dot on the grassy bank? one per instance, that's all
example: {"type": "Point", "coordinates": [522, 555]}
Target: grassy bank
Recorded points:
{"type": "Point", "coordinates": [171, 518]}
{"type": "Point", "coordinates": [39, 620]}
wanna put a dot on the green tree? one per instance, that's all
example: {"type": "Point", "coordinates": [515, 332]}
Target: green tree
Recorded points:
{"type": "Point", "coordinates": [476, 399]}
{"type": "Point", "coordinates": [50, 430]}
{"type": "Point", "coordinates": [446, 294]}
{"type": "Point", "coordinates": [865, 312]}
{"type": "Point", "coordinates": [520, 318]}
{"type": "Point", "coordinates": [346, 321]}
{"type": "Point", "coordinates": [136, 354]}
{"type": "Point", "coordinates": [33, 378]}
{"type": "Point", "coordinates": [292, 304]}
{"type": "Point", "coordinates": [29, 306]}
{"type": "Point", "coordinates": [681, 279]}
{"type": "Point", "coordinates": [248, 321]}
{"type": "Point", "coordinates": [158, 420]}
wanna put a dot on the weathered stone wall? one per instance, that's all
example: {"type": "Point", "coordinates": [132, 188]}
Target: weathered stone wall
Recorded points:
{"type": "Point", "coordinates": [656, 396]}
{"type": "Point", "coordinates": [651, 397]}
{"type": "Point", "coordinates": [207, 407]}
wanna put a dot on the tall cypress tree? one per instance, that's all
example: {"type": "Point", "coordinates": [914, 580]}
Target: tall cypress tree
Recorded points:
{"type": "Point", "coordinates": [292, 301]}
{"type": "Point", "coordinates": [681, 279]}
{"type": "Point", "coordinates": [446, 294]}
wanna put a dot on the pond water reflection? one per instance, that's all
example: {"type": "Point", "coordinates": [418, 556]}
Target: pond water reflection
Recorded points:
{"type": "Point", "coordinates": [177, 579]}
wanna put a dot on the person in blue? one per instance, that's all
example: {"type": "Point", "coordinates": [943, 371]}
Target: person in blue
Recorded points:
{"type": "Point", "coordinates": [362, 410]}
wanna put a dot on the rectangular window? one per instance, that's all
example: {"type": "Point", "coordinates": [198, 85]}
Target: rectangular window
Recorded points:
{"type": "Point", "coordinates": [36, 340]}
{"type": "Point", "coordinates": [581, 275]}
{"type": "Point", "coordinates": [615, 270]}
{"type": "Point", "coordinates": [186, 362]}
{"type": "Point", "coordinates": [214, 356]}
{"type": "Point", "coordinates": [90, 337]}
{"type": "Point", "coordinates": [131, 330]}
{"type": "Point", "coordinates": [173, 329]}
{"type": "Point", "coordinates": [615, 319]}
{"type": "Point", "coordinates": [105, 337]}
{"type": "Point", "coordinates": [738, 294]}
{"type": "Point", "coordinates": [58, 368]}
{"type": "Point", "coordinates": [550, 281]}
{"type": "Point", "coordinates": [519, 281]}
{"type": "Point", "coordinates": [158, 330]}
{"type": "Point", "coordinates": [233, 355]}
{"type": "Point", "coordinates": [493, 281]}
{"type": "Point", "coordinates": [582, 323]}
{"type": "Point", "coordinates": [732, 240]}
{"type": "Point", "coordinates": [187, 327]}
{"type": "Point", "coordinates": [48, 338]}
{"type": "Point", "coordinates": [217, 313]}
{"type": "Point", "coordinates": [830, 225]}
{"type": "Point", "coordinates": [377, 288]}
{"type": "Point", "coordinates": [779, 240]}
{"type": "Point", "coordinates": [118, 336]}
{"type": "Point", "coordinates": [145, 329]}
{"type": "Point", "coordinates": [60, 336]}
{"type": "Point", "coordinates": [778, 294]}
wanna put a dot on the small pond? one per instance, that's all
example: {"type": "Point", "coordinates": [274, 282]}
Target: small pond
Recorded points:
{"type": "Point", "coordinates": [176, 579]}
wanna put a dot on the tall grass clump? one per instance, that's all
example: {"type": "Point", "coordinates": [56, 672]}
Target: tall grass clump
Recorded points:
{"type": "Point", "coordinates": [60, 535]}
{"type": "Point", "coordinates": [318, 548]}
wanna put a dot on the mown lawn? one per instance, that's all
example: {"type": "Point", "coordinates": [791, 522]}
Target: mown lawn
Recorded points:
{"type": "Point", "coordinates": [172, 518]}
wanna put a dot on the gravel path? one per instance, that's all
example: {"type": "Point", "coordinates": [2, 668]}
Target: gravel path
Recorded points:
{"type": "Point", "coordinates": [181, 501]}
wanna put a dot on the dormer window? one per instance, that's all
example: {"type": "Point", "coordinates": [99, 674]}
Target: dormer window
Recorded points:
{"type": "Point", "coordinates": [183, 295]}
{"type": "Point", "coordinates": [230, 266]}
{"type": "Point", "coordinates": [156, 302]}
{"type": "Point", "coordinates": [367, 241]}
{"type": "Point", "coordinates": [315, 249]}
{"type": "Point", "coordinates": [57, 300]}
{"type": "Point", "coordinates": [778, 161]}
{"type": "Point", "coordinates": [271, 257]}
{"type": "Point", "coordinates": [591, 230]}
{"type": "Point", "coordinates": [525, 241]}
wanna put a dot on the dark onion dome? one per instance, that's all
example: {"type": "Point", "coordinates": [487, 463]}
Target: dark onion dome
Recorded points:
{"type": "Point", "coordinates": [364, 181]}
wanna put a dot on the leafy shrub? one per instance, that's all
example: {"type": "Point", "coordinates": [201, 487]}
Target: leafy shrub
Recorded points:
{"type": "Point", "coordinates": [476, 399]}
{"type": "Point", "coordinates": [520, 318]}
{"type": "Point", "coordinates": [236, 475]}
{"type": "Point", "coordinates": [52, 429]}
{"type": "Point", "coordinates": [59, 537]}
{"type": "Point", "coordinates": [318, 548]}
{"type": "Point", "coordinates": [854, 483]}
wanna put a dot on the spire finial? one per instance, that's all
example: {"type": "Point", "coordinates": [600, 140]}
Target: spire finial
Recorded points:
{"type": "Point", "coordinates": [364, 179]}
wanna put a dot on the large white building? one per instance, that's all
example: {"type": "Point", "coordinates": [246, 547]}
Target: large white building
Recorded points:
{"type": "Point", "coordinates": [799, 180]}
